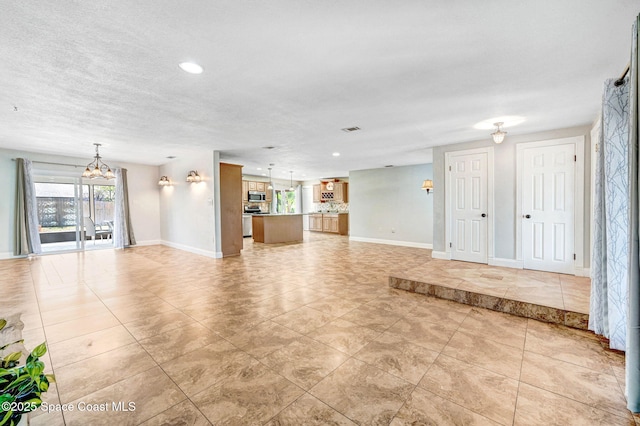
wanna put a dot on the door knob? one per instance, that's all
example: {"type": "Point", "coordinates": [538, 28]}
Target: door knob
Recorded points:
{"type": "Point", "coordinates": [527, 216]}
{"type": "Point", "coordinates": [484, 215]}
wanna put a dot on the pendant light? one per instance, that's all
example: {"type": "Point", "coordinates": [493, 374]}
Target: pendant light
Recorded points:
{"type": "Point", "coordinates": [97, 168]}
{"type": "Point", "coordinates": [270, 186]}
{"type": "Point", "coordinates": [291, 187]}
{"type": "Point", "coordinates": [498, 135]}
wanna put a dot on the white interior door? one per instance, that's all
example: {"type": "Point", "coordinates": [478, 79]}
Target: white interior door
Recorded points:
{"type": "Point", "coordinates": [307, 205]}
{"type": "Point", "coordinates": [469, 207]}
{"type": "Point", "coordinates": [548, 203]}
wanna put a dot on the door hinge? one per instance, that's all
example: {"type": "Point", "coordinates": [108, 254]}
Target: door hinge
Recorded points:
{"type": "Point", "coordinates": [574, 256]}
{"type": "Point", "coordinates": [575, 158]}
{"type": "Point", "coordinates": [450, 245]}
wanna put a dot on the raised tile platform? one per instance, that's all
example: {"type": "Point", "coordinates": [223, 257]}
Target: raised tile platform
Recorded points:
{"type": "Point", "coordinates": [554, 298]}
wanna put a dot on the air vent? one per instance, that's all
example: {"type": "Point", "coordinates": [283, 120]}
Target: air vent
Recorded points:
{"type": "Point", "coordinates": [171, 157]}
{"type": "Point", "coordinates": [350, 129]}
{"type": "Point", "coordinates": [268, 147]}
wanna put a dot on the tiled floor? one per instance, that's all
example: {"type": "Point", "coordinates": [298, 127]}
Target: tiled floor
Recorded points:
{"type": "Point", "coordinates": [294, 334]}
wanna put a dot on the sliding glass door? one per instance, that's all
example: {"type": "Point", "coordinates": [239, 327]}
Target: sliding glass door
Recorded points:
{"type": "Point", "coordinates": [74, 215]}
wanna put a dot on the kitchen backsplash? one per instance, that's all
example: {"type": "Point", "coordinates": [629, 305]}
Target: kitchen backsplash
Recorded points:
{"type": "Point", "coordinates": [331, 207]}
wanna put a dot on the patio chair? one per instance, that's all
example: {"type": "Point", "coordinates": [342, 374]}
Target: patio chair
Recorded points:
{"type": "Point", "coordinates": [90, 230]}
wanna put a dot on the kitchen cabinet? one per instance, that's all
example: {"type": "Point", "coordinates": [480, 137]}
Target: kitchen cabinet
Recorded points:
{"type": "Point", "coordinates": [341, 192]}
{"type": "Point", "coordinates": [245, 191]}
{"type": "Point", "coordinates": [316, 193]}
{"type": "Point", "coordinates": [336, 223]}
{"type": "Point", "coordinates": [260, 186]}
{"type": "Point", "coordinates": [337, 192]}
{"type": "Point", "coordinates": [269, 195]}
{"type": "Point", "coordinates": [230, 209]}
{"type": "Point", "coordinates": [252, 185]}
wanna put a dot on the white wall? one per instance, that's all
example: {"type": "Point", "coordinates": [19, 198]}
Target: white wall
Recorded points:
{"type": "Point", "coordinates": [388, 205]}
{"type": "Point", "coordinates": [143, 194]}
{"type": "Point", "coordinates": [505, 188]}
{"type": "Point", "coordinates": [187, 209]}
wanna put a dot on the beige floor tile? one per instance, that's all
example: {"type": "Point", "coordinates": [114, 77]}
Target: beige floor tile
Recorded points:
{"type": "Point", "coordinates": [92, 374]}
{"type": "Point", "coordinates": [334, 306]}
{"type": "Point", "coordinates": [437, 314]}
{"type": "Point", "coordinates": [264, 338]}
{"type": "Point", "coordinates": [230, 323]}
{"type": "Point", "coordinates": [252, 396]}
{"type": "Point", "coordinates": [481, 391]}
{"type": "Point", "coordinates": [172, 344]}
{"type": "Point", "coordinates": [303, 320]}
{"type": "Point", "coordinates": [80, 326]}
{"type": "Point", "coordinates": [539, 407]}
{"type": "Point", "coordinates": [590, 387]}
{"type": "Point", "coordinates": [157, 324]}
{"type": "Point", "coordinates": [376, 319]}
{"type": "Point", "coordinates": [151, 392]}
{"type": "Point", "coordinates": [89, 345]}
{"type": "Point", "coordinates": [344, 335]}
{"type": "Point", "coordinates": [398, 356]}
{"type": "Point", "coordinates": [496, 326]}
{"type": "Point", "coordinates": [426, 408]}
{"type": "Point", "coordinates": [199, 369]}
{"type": "Point", "coordinates": [309, 411]}
{"type": "Point", "coordinates": [71, 312]}
{"type": "Point", "coordinates": [474, 349]}
{"type": "Point", "coordinates": [426, 334]}
{"type": "Point", "coordinates": [304, 361]}
{"type": "Point", "coordinates": [365, 394]}
{"type": "Point", "coordinates": [183, 413]}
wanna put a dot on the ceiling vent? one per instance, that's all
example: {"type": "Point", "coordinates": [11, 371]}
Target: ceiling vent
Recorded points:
{"type": "Point", "coordinates": [350, 129]}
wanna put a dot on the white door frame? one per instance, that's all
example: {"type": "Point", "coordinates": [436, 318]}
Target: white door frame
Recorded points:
{"type": "Point", "coordinates": [448, 198]}
{"type": "Point", "coordinates": [578, 221]}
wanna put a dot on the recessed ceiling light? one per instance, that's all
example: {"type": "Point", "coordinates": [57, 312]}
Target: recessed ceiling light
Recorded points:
{"type": "Point", "coordinates": [350, 129]}
{"type": "Point", "coordinates": [507, 120]}
{"type": "Point", "coordinates": [191, 68]}
{"type": "Point", "coordinates": [259, 168]}
{"type": "Point", "coordinates": [264, 174]}
{"type": "Point", "coordinates": [336, 154]}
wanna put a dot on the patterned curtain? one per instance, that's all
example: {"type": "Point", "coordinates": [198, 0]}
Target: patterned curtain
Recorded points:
{"type": "Point", "coordinates": [633, 324]}
{"type": "Point", "coordinates": [122, 229]}
{"type": "Point", "coordinates": [609, 293]}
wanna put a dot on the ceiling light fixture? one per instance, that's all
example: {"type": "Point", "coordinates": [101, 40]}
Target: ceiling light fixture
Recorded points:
{"type": "Point", "coordinates": [270, 186]}
{"type": "Point", "coordinates": [193, 177]}
{"type": "Point", "coordinates": [498, 135]}
{"type": "Point", "coordinates": [336, 154]}
{"type": "Point", "coordinates": [191, 68]}
{"type": "Point", "coordinates": [164, 181]}
{"type": "Point", "coordinates": [350, 129]}
{"type": "Point", "coordinates": [97, 168]}
{"type": "Point", "coordinates": [291, 187]}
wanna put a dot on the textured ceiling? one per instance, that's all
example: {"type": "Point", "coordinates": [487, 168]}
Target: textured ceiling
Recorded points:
{"type": "Point", "coordinates": [291, 74]}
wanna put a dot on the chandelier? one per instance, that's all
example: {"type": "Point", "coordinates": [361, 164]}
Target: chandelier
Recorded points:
{"type": "Point", "coordinates": [97, 168]}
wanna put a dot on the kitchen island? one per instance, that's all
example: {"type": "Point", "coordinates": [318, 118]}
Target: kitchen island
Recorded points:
{"type": "Point", "coordinates": [277, 228]}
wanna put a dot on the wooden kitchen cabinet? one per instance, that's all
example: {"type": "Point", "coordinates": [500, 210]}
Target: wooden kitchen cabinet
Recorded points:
{"type": "Point", "coordinates": [316, 193]}
{"type": "Point", "coordinates": [252, 185]}
{"type": "Point", "coordinates": [341, 192]}
{"type": "Point", "coordinates": [261, 186]}
{"type": "Point", "coordinates": [335, 223]}
{"type": "Point", "coordinates": [230, 209]}
{"type": "Point", "coordinates": [245, 191]}
{"type": "Point", "coordinates": [315, 222]}
{"type": "Point", "coordinates": [269, 194]}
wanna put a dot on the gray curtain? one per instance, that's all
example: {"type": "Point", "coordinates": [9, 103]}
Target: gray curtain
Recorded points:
{"type": "Point", "coordinates": [26, 215]}
{"type": "Point", "coordinates": [609, 289]}
{"type": "Point", "coordinates": [633, 323]}
{"type": "Point", "coordinates": [123, 231]}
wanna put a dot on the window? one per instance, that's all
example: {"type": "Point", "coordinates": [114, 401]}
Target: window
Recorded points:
{"type": "Point", "coordinates": [285, 201]}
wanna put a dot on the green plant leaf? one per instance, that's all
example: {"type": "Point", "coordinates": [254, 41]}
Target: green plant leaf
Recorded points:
{"type": "Point", "coordinates": [3, 323]}
{"type": "Point", "coordinates": [39, 350]}
{"type": "Point", "coordinates": [6, 418]}
{"type": "Point", "coordinates": [50, 377]}
{"type": "Point", "coordinates": [15, 356]}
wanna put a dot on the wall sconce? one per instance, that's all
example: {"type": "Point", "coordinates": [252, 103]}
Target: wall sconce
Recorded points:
{"type": "Point", "coordinates": [427, 185]}
{"type": "Point", "coordinates": [193, 176]}
{"type": "Point", "coordinates": [164, 181]}
{"type": "Point", "coordinates": [498, 135]}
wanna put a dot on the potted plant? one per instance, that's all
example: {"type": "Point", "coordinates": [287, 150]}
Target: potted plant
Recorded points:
{"type": "Point", "coordinates": [21, 384]}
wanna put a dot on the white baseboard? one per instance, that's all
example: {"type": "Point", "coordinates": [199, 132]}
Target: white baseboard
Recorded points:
{"type": "Point", "coordinates": [506, 263]}
{"type": "Point", "coordinates": [441, 255]}
{"type": "Point", "coordinates": [194, 250]}
{"type": "Point", "coordinates": [149, 243]}
{"type": "Point", "coordinates": [583, 272]}
{"type": "Point", "coordinates": [392, 242]}
{"type": "Point", "coordinates": [8, 255]}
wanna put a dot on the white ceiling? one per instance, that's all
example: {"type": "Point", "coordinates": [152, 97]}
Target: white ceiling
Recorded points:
{"type": "Point", "coordinates": [291, 74]}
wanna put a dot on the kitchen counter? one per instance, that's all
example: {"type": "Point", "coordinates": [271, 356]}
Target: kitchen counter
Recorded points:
{"type": "Point", "coordinates": [277, 228]}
